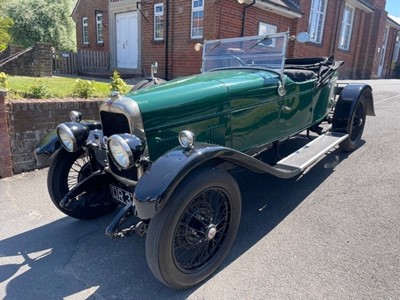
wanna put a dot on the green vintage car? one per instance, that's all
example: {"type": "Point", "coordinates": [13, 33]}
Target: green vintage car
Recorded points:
{"type": "Point", "coordinates": [164, 153]}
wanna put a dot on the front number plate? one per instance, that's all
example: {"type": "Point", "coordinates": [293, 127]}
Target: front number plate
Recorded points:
{"type": "Point", "coordinates": [121, 195]}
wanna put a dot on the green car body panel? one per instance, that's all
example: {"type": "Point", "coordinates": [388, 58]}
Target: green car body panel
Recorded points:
{"type": "Point", "coordinates": [247, 99]}
{"type": "Point", "coordinates": [240, 109]}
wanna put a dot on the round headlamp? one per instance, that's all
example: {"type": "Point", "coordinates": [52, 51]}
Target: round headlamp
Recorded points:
{"type": "Point", "coordinates": [125, 149]}
{"type": "Point", "coordinates": [72, 135]}
{"type": "Point", "coordinates": [75, 116]}
{"type": "Point", "coordinates": [186, 139]}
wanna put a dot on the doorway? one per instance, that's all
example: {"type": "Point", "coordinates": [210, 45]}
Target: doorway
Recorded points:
{"type": "Point", "coordinates": [383, 52]}
{"type": "Point", "coordinates": [127, 40]}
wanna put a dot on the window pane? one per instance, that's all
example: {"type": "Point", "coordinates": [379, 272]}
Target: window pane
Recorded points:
{"type": "Point", "coordinates": [265, 29]}
{"type": "Point", "coordinates": [99, 28]}
{"type": "Point", "coordinates": [197, 18]}
{"type": "Point", "coordinates": [317, 20]}
{"type": "Point", "coordinates": [85, 30]}
{"type": "Point", "coordinates": [159, 21]}
{"type": "Point", "coordinates": [197, 3]}
{"type": "Point", "coordinates": [345, 31]}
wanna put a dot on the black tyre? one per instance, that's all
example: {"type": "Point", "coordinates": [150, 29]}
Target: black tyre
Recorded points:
{"type": "Point", "coordinates": [356, 128]}
{"type": "Point", "coordinates": [190, 237]}
{"type": "Point", "coordinates": [66, 170]}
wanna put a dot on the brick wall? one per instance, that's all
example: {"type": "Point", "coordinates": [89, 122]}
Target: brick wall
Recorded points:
{"type": "Point", "coordinates": [29, 121]}
{"type": "Point", "coordinates": [222, 19]}
{"type": "Point", "coordinates": [389, 65]}
{"type": "Point", "coordinates": [377, 33]}
{"type": "Point", "coordinates": [182, 59]}
{"type": "Point", "coordinates": [11, 50]}
{"type": "Point", "coordinates": [5, 153]}
{"type": "Point", "coordinates": [361, 60]}
{"type": "Point", "coordinates": [35, 63]}
{"type": "Point", "coordinates": [88, 8]}
{"type": "Point", "coordinates": [152, 50]}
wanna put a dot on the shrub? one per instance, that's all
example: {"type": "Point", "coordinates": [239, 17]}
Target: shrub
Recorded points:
{"type": "Point", "coordinates": [38, 90]}
{"type": "Point", "coordinates": [3, 80]}
{"type": "Point", "coordinates": [84, 88]}
{"type": "Point", "coordinates": [118, 84]}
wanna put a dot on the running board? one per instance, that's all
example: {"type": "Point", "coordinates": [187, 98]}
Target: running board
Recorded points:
{"type": "Point", "coordinates": [312, 152]}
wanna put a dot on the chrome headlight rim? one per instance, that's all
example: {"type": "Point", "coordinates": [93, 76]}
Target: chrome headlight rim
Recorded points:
{"type": "Point", "coordinates": [186, 139]}
{"type": "Point", "coordinates": [75, 116]}
{"type": "Point", "coordinates": [64, 129]}
{"type": "Point", "coordinates": [120, 141]}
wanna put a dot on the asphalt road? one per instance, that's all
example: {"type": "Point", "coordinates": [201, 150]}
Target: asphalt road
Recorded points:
{"type": "Point", "coordinates": [333, 233]}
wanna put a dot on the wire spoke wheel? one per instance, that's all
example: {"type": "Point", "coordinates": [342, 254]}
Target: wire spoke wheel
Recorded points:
{"type": "Point", "coordinates": [201, 230]}
{"type": "Point", "coordinates": [66, 171]}
{"type": "Point", "coordinates": [190, 237]}
{"type": "Point", "coordinates": [358, 122]}
{"type": "Point", "coordinates": [80, 169]}
{"type": "Point", "coordinates": [355, 129]}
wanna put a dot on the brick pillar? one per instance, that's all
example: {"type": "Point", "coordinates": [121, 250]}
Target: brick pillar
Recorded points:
{"type": "Point", "coordinates": [42, 60]}
{"type": "Point", "coordinates": [5, 152]}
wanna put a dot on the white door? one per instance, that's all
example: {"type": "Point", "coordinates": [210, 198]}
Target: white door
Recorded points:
{"type": "Point", "coordinates": [383, 52]}
{"type": "Point", "coordinates": [127, 40]}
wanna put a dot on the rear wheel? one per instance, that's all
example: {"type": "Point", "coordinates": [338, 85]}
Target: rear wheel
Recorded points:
{"type": "Point", "coordinates": [66, 170]}
{"type": "Point", "coordinates": [190, 237]}
{"type": "Point", "coordinates": [356, 128]}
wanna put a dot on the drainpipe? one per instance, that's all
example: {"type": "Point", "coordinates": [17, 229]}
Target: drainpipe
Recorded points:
{"type": "Point", "coordinates": [359, 48]}
{"type": "Point", "coordinates": [244, 15]}
{"type": "Point", "coordinates": [166, 39]}
{"type": "Point", "coordinates": [333, 47]}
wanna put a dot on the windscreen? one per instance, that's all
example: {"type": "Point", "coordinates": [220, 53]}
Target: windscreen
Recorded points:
{"type": "Point", "coordinates": [257, 51]}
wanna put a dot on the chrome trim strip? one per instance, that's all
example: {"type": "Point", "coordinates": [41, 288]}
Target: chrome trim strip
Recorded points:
{"type": "Point", "coordinates": [130, 109]}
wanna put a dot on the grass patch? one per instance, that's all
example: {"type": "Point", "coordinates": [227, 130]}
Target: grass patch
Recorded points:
{"type": "Point", "coordinates": [56, 87]}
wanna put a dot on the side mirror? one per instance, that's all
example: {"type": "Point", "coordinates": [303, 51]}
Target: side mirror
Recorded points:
{"type": "Point", "coordinates": [198, 47]}
{"type": "Point", "coordinates": [303, 37]}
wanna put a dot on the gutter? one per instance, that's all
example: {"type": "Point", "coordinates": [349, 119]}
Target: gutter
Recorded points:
{"type": "Point", "coordinates": [279, 10]}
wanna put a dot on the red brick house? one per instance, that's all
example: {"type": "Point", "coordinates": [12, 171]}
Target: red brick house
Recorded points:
{"type": "Point", "coordinates": [392, 48]}
{"type": "Point", "coordinates": [136, 33]}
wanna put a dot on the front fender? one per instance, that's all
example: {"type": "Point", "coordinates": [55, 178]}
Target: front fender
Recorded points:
{"type": "Point", "coordinates": [50, 144]}
{"type": "Point", "coordinates": [347, 103]}
{"type": "Point", "coordinates": [158, 183]}
{"type": "Point", "coordinates": [46, 148]}
{"type": "Point", "coordinates": [164, 175]}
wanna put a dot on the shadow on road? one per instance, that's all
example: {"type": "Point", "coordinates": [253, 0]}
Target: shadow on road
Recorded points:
{"type": "Point", "coordinates": [68, 256]}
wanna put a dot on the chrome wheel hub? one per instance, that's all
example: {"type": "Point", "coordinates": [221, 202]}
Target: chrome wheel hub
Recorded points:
{"type": "Point", "coordinates": [211, 232]}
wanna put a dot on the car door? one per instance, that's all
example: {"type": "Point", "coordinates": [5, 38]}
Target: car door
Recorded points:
{"type": "Point", "coordinates": [295, 108]}
{"type": "Point", "coordinates": [254, 109]}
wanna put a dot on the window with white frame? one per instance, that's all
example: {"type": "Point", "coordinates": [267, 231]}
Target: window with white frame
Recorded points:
{"type": "Point", "coordinates": [347, 26]}
{"type": "Point", "coordinates": [397, 49]}
{"type": "Point", "coordinates": [317, 20]}
{"type": "Point", "coordinates": [265, 29]}
{"type": "Point", "coordinates": [158, 21]}
{"type": "Point", "coordinates": [197, 19]}
{"type": "Point", "coordinates": [99, 28]}
{"type": "Point", "coordinates": [85, 31]}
